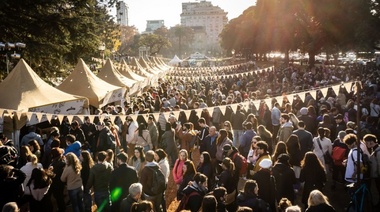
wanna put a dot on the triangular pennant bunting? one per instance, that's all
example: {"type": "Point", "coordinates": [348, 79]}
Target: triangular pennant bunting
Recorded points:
{"type": "Point", "coordinates": [324, 91]}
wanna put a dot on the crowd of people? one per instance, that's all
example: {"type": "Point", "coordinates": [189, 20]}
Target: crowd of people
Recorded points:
{"type": "Point", "coordinates": [250, 159]}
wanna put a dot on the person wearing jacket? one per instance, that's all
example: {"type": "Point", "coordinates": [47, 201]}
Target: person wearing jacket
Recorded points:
{"type": "Point", "coordinates": [135, 192]}
{"type": "Point", "coordinates": [249, 197]}
{"type": "Point", "coordinates": [32, 135]}
{"type": "Point", "coordinates": [11, 180]}
{"type": "Point", "coordinates": [262, 151]}
{"type": "Point", "coordinates": [246, 138]}
{"type": "Point", "coordinates": [286, 128]}
{"type": "Point", "coordinates": [71, 175]}
{"type": "Point", "coordinates": [178, 167]}
{"type": "Point", "coordinates": [284, 177]}
{"type": "Point", "coordinates": [121, 179]}
{"type": "Point", "coordinates": [266, 183]}
{"type": "Point", "coordinates": [199, 186]}
{"type": "Point", "coordinates": [142, 138]}
{"type": "Point", "coordinates": [99, 178]}
{"type": "Point", "coordinates": [318, 202]}
{"type": "Point", "coordinates": [72, 145]}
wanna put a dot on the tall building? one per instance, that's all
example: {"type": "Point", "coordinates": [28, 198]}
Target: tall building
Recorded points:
{"type": "Point", "coordinates": [152, 25]}
{"type": "Point", "coordinates": [122, 13]}
{"type": "Point", "coordinates": [211, 18]}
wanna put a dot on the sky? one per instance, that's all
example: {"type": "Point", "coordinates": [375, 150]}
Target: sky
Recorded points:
{"type": "Point", "coordinates": [169, 10]}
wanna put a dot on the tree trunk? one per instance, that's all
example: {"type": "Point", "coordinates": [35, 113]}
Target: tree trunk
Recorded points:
{"type": "Point", "coordinates": [311, 58]}
{"type": "Point", "coordinates": [287, 56]}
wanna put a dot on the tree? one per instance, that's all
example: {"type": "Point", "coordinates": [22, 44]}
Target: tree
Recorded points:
{"type": "Point", "coordinates": [181, 38]}
{"type": "Point", "coordinates": [127, 38]}
{"type": "Point", "coordinates": [56, 32]}
{"type": "Point", "coordinates": [154, 42]}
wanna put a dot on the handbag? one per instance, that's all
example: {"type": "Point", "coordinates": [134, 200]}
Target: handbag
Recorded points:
{"type": "Point", "coordinates": [326, 155]}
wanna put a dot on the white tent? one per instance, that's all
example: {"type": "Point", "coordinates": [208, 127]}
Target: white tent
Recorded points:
{"type": "Point", "coordinates": [175, 60]}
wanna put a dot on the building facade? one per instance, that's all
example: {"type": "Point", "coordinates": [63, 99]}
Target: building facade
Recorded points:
{"type": "Point", "coordinates": [122, 13]}
{"type": "Point", "coordinates": [152, 25]}
{"type": "Point", "coordinates": [211, 18]}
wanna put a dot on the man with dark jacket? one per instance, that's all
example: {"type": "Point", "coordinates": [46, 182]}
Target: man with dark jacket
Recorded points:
{"type": "Point", "coordinates": [147, 178]}
{"type": "Point", "coordinates": [77, 132]}
{"type": "Point", "coordinates": [135, 192]}
{"type": "Point", "coordinates": [305, 138]}
{"type": "Point", "coordinates": [310, 123]}
{"type": "Point", "coordinates": [237, 118]}
{"type": "Point", "coordinates": [209, 144]}
{"type": "Point", "coordinates": [99, 178]}
{"type": "Point", "coordinates": [246, 139]}
{"type": "Point", "coordinates": [121, 179]}
{"type": "Point", "coordinates": [233, 154]}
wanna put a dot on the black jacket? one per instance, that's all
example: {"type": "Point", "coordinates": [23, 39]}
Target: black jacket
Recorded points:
{"type": "Point", "coordinates": [285, 179]}
{"type": "Point", "coordinates": [252, 201]}
{"type": "Point", "coordinates": [123, 177]}
{"type": "Point", "coordinates": [126, 203]}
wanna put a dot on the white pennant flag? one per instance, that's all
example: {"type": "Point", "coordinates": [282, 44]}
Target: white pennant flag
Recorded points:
{"type": "Point", "coordinates": [257, 104]}
{"type": "Point", "coordinates": [348, 86]}
{"type": "Point", "coordinates": [133, 116]}
{"type": "Point", "coordinates": [176, 114]}
{"type": "Point", "coordinates": [324, 91]}
{"type": "Point", "coordinates": [1, 112]}
{"type": "Point", "coordinates": [199, 112]}
{"type": "Point", "coordinates": [187, 113]}
{"type": "Point", "coordinates": [336, 89]}
{"type": "Point", "coordinates": [280, 99]}
{"type": "Point", "coordinates": [156, 116]}
{"type": "Point", "coordinates": [302, 96]}
{"type": "Point", "coordinates": [223, 109]}
{"type": "Point", "coordinates": [29, 116]}
{"type": "Point", "coordinates": [268, 101]}
{"type": "Point", "coordinates": [234, 107]}
{"type": "Point", "coordinates": [70, 118]}
{"type": "Point", "coordinates": [313, 94]}
{"type": "Point", "coordinates": [113, 117]}
{"type": "Point", "coordinates": [60, 117]}
{"type": "Point", "coordinates": [210, 110]}
{"type": "Point", "coordinates": [49, 116]}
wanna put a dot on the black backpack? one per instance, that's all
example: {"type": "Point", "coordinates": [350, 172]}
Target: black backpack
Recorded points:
{"type": "Point", "coordinates": [366, 167]}
{"type": "Point", "coordinates": [158, 184]}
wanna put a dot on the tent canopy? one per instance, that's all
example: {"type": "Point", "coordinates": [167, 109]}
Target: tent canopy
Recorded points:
{"type": "Point", "coordinates": [109, 74]}
{"type": "Point", "coordinates": [175, 60]}
{"type": "Point", "coordinates": [83, 82]}
{"type": "Point", "coordinates": [23, 89]}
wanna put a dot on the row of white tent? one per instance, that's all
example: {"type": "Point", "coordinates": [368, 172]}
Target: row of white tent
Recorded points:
{"type": "Point", "coordinates": [23, 90]}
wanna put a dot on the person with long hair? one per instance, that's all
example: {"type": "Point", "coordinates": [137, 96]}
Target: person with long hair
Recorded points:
{"type": "Point", "coordinates": [252, 156]}
{"type": "Point", "coordinates": [279, 149]}
{"type": "Point", "coordinates": [167, 143]}
{"type": "Point", "coordinates": [226, 179]}
{"type": "Point", "coordinates": [266, 136]}
{"type": "Point", "coordinates": [209, 203]}
{"type": "Point", "coordinates": [222, 140]}
{"type": "Point", "coordinates": [230, 131]}
{"type": "Point", "coordinates": [71, 175]}
{"type": "Point", "coordinates": [53, 138]}
{"type": "Point", "coordinates": [57, 186]}
{"type": "Point", "coordinates": [322, 145]}
{"type": "Point", "coordinates": [318, 202]}
{"type": "Point", "coordinates": [188, 175]}
{"type": "Point", "coordinates": [87, 164]}
{"type": "Point", "coordinates": [205, 167]}
{"type": "Point", "coordinates": [28, 169]}
{"type": "Point", "coordinates": [143, 206]}
{"type": "Point", "coordinates": [312, 174]}
{"type": "Point", "coordinates": [38, 185]}
{"type": "Point", "coordinates": [178, 167]}
{"type": "Point", "coordinates": [35, 149]}
{"type": "Point", "coordinates": [138, 159]}
{"type": "Point", "coordinates": [251, 118]}
{"type": "Point", "coordinates": [294, 149]}
{"type": "Point", "coordinates": [142, 138]}
{"type": "Point", "coordinates": [110, 157]}
{"type": "Point", "coordinates": [326, 123]}
{"type": "Point", "coordinates": [249, 197]}
{"type": "Point", "coordinates": [24, 154]}
{"type": "Point", "coordinates": [285, 178]}
{"type": "Point", "coordinates": [186, 134]}
{"type": "Point", "coordinates": [11, 180]}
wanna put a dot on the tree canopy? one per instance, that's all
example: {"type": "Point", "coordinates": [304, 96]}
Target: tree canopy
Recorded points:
{"type": "Point", "coordinates": [311, 26]}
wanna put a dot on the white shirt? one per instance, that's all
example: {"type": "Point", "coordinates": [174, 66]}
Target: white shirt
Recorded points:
{"type": "Point", "coordinates": [350, 167]}
{"type": "Point", "coordinates": [28, 169]}
{"type": "Point", "coordinates": [326, 146]}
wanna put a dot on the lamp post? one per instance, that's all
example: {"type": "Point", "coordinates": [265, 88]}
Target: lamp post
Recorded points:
{"type": "Point", "coordinates": [11, 51]}
{"type": "Point", "coordinates": [233, 55]}
{"type": "Point", "coordinates": [101, 48]}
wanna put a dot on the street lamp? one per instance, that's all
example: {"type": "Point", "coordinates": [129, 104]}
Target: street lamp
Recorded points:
{"type": "Point", "coordinates": [10, 51]}
{"type": "Point", "coordinates": [101, 48]}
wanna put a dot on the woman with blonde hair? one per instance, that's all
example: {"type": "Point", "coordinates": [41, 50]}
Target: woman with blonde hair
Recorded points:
{"type": "Point", "coordinates": [28, 169]}
{"type": "Point", "coordinates": [87, 164]}
{"type": "Point", "coordinates": [318, 202]}
{"type": "Point", "coordinates": [72, 176]}
{"type": "Point", "coordinates": [266, 136]}
{"type": "Point", "coordinates": [178, 166]}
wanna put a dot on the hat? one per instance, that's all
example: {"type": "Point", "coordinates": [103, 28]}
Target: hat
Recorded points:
{"type": "Point", "coordinates": [341, 134]}
{"type": "Point", "coordinates": [338, 116]}
{"type": "Point", "coordinates": [265, 163]}
{"type": "Point", "coordinates": [227, 147]}
{"type": "Point", "coordinates": [56, 152]}
{"type": "Point", "coordinates": [304, 111]}
{"type": "Point", "coordinates": [283, 157]}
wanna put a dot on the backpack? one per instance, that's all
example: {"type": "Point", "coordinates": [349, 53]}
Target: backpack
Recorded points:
{"type": "Point", "coordinates": [111, 141]}
{"type": "Point", "coordinates": [244, 163]}
{"type": "Point", "coordinates": [338, 155]}
{"type": "Point", "coordinates": [365, 169]}
{"type": "Point", "coordinates": [185, 200]}
{"type": "Point", "coordinates": [158, 183]}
